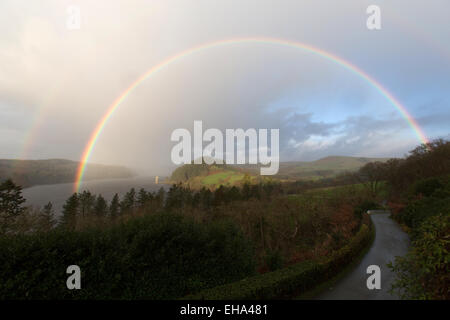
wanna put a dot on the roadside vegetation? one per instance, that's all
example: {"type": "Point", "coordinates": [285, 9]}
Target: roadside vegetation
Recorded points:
{"type": "Point", "coordinates": [420, 200]}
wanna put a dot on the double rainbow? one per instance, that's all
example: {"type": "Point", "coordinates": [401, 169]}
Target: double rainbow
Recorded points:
{"type": "Point", "coordinates": [261, 40]}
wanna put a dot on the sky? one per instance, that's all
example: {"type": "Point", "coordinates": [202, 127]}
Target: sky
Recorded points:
{"type": "Point", "coordinates": [56, 82]}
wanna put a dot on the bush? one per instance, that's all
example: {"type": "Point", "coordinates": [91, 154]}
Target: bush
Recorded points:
{"type": "Point", "coordinates": [163, 256]}
{"type": "Point", "coordinates": [364, 207]}
{"type": "Point", "coordinates": [424, 272]}
{"type": "Point", "coordinates": [274, 260]}
{"type": "Point", "coordinates": [418, 210]}
{"type": "Point", "coordinates": [292, 280]}
{"type": "Point", "coordinates": [427, 187]}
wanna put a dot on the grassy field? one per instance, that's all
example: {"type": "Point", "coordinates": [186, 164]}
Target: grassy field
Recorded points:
{"type": "Point", "coordinates": [215, 175]}
{"type": "Point", "coordinates": [224, 177]}
{"type": "Point", "coordinates": [215, 179]}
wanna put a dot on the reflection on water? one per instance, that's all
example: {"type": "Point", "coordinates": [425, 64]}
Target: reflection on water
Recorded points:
{"type": "Point", "coordinates": [58, 193]}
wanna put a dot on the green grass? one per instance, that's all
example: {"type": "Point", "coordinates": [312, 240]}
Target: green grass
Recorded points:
{"type": "Point", "coordinates": [236, 178]}
{"type": "Point", "coordinates": [227, 178]}
{"type": "Point", "coordinates": [217, 178]}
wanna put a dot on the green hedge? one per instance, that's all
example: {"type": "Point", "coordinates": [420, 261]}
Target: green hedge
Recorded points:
{"type": "Point", "coordinates": [423, 273]}
{"type": "Point", "coordinates": [419, 210]}
{"type": "Point", "coordinates": [163, 256]}
{"type": "Point", "coordinates": [292, 280]}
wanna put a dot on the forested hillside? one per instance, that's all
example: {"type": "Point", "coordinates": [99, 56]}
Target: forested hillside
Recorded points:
{"type": "Point", "coordinates": [35, 172]}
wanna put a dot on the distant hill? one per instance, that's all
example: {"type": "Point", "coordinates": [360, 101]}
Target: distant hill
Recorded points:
{"type": "Point", "coordinates": [323, 168]}
{"type": "Point", "coordinates": [36, 172]}
{"type": "Point", "coordinates": [213, 175]}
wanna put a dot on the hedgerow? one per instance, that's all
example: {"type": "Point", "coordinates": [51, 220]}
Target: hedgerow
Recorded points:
{"type": "Point", "coordinates": [292, 280]}
{"type": "Point", "coordinates": [422, 185]}
{"type": "Point", "coordinates": [430, 198]}
{"type": "Point", "coordinates": [161, 256]}
{"type": "Point", "coordinates": [424, 272]}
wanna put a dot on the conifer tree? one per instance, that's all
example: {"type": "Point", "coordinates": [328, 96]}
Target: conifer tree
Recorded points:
{"type": "Point", "coordinates": [128, 202]}
{"type": "Point", "coordinates": [11, 202]}
{"type": "Point", "coordinates": [101, 206]}
{"type": "Point", "coordinates": [219, 196]}
{"type": "Point", "coordinates": [174, 197]}
{"type": "Point", "coordinates": [142, 198]}
{"type": "Point", "coordinates": [160, 197]}
{"type": "Point", "coordinates": [86, 202]}
{"type": "Point", "coordinates": [206, 197]}
{"type": "Point", "coordinates": [246, 192]}
{"type": "Point", "coordinates": [196, 200]}
{"type": "Point", "coordinates": [114, 208]}
{"type": "Point", "coordinates": [233, 194]}
{"type": "Point", "coordinates": [70, 212]}
{"type": "Point", "coordinates": [47, 221]}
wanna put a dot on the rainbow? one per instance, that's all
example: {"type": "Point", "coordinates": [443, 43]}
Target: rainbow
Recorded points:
{"type": "Point", "coordinates": [261, 40]}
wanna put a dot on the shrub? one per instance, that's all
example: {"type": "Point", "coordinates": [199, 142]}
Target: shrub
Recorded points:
{"type": "Point", "coordinates": [424, 272]}
{"type": "Point", "coordinates": [162, 256]}
{"type": "Point", "coordinates": [292, 280]}
{"type": "Point", "coordinates": [364, 206]}
{"type": "Point", "coordinates": [426, 187]}
{"type": "Point", "coordinates": [274, 260]}
{"type": "Point", "coordinates": [418, 210]}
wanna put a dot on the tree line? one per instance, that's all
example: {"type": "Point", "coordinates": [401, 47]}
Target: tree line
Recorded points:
{"type": "Point", "coordinates": [86, 205]}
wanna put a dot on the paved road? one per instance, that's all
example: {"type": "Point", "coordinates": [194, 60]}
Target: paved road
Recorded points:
{"type": "Point", "coordinates": [390, 241]}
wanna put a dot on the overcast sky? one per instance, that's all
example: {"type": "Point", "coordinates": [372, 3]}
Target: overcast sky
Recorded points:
{"type": "Point", "coordinates": [56, 83]}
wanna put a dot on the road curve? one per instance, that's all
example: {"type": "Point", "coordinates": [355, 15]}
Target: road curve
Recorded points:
{"type": "Point", "coordinates": [390, 241]}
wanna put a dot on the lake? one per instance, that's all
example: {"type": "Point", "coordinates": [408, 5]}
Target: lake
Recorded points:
{"type": "Point", "coordinates": [58, 193]}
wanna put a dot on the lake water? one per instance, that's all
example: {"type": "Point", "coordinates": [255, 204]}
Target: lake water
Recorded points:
{"type": "Point", "coordinates": [58, 193]}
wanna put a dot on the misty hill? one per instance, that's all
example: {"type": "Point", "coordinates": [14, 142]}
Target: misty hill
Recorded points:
{"type": "Point", "coordinates": [35, 172]}
{"type": "Point", "coordinates": [311, 170]}
{"type": "Point", "coordinates": [211, 175]}
{"type": "Point", "coordinates": [323, 168]}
